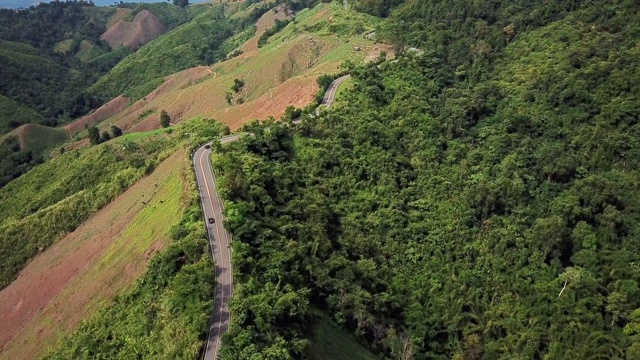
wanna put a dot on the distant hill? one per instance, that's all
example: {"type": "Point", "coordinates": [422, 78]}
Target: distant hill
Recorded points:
{"type": "Point", "coordinates": [33, 79]}
{"type": "Point", "coordinates": [133, 34]}
{"type": "Point", "coordinates": [194, 43]}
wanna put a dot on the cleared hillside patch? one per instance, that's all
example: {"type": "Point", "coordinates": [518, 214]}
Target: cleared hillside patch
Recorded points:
{"type": "Point", "coordinates": [133, 34]}
{"type": "Point", "coordinates": [63, 47]}
{"type": "Point", "coordinates": [39, 138]}
{"type": "Point", "coordinates": [102, 113]}
{"type": "Point", "coordinates": [51, 200]}
{"type": "Point", "coordinates": [83, 271]}
{"type": "Point", "coordinates": [194, 43]}
{"type": "Point", "coordinates": [88, 51]}
{"type": "Point", "coordinates": [293, 58]}
{"type": "Point", "coordinates": [166, 313]}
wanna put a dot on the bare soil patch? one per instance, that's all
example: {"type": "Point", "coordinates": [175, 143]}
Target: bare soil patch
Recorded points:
{"type": "Point", "coordinates": [298, 92]}
{"type": "Point", "coordinates": [102, 113]}
{"type": "Point", "coordinates": [266, 21]}
{"type": "Point", "coordinates": [82, 272]}
{"type": "Point", "coordinates": [144, 28]}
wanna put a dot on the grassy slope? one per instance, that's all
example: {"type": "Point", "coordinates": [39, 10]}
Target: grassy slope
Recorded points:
{"type": "Point", "coordinates": [166, 313]}
{"type": "Point", "coordinates": [39, 138]}
{"type": "Point", "coordinates": [127, 232]}
{"type": "Point", "coordinates": [54, 198]}
{"type": "Point", "coordinates": [295, 57]}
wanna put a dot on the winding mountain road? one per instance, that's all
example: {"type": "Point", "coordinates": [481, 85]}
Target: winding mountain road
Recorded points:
{"type": "Point", "coordinates": [219, 237]}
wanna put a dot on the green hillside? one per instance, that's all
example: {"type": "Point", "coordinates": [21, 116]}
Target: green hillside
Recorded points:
{"type": "Point", "coordinates": [167, 312]}
{"type": "Point", "coordinates": [476, 199]}
{"type": "Point", "coordinates": [192, 44]}
{"type": "Point", "coordinates": [52, 199]}
{"type": "Point", "coordinates": [41, 139]}
{"type": "Point", "coordinates": [31, 78]}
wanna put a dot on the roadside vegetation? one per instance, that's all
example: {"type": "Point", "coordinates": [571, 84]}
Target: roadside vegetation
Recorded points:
{"type": "Point", "coordinates": [168, 311]}
{"type": "Point", "coordinates": [478, 198]}
{"type": "Point", "coordinates": [53, 199]}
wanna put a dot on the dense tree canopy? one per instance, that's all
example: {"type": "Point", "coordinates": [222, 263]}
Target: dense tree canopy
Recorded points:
{"type": "Point", "coordinates": [478, 198]}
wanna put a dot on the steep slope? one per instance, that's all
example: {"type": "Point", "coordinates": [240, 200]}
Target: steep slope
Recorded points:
{"type": "Point", "coordinates": [165, 314]}
{"type": "Point", "coordinates": [295, 57]}
{"type": "Point", "coordinates": [186, 46]}
{"type": "Point", "coordinates": [83, 271]}
{"type": "Point", "coordinates": [102, 113]}
{"type": "Point", "coordinates": [144, 28]}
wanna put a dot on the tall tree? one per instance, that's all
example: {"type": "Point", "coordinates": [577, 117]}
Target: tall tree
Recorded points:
{"type": "Point", "coordinates": [165, 119]}
{"type": "Point", "coordinates": [94, 135]}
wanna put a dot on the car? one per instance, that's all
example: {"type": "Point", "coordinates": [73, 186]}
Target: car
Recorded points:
{"type": "Point", "coordinates": [211, 220]}
{"type": "Point", "coordinates": [208, 146]}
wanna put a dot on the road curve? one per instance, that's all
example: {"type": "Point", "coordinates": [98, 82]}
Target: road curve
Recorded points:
{"type": "Point", "coordinates": [330, 95]}
{"type": "Point", "coordinates": [219, 237]}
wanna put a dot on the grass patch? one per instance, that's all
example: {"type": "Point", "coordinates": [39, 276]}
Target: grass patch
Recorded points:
{"type": "Point", "coordinates": [63, 47]}
{"type": "Point", "coordinates": [88, 51]}
{"type": "Point", "coordinates": [122, 237]}
{"type": "Point", "coordinates": [41, 139]}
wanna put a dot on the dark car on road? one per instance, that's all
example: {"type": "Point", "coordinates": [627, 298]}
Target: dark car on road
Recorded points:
{"type": "Point", "coordinates": [211, 220]}
{"type": "Point", "coordinates": [207, 146]}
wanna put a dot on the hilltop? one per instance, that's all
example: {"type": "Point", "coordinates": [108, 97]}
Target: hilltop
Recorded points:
{"type": "Point", "coordinates": [133, 34]}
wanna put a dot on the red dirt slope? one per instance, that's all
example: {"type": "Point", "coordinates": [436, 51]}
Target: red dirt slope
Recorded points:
{"type": "Point", "coordinates": [104, 112]}
{"type": "Point", "coordinates": [144, 28]}
{"type": "Point", "coordinates": [82, 272]}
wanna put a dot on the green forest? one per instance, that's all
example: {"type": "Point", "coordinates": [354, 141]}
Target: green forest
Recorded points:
{"type": "Point", "coordinates": [478, 198]}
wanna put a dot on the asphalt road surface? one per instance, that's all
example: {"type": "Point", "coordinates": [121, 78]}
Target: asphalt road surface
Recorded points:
{"type": "Point", "coordinates": [330, 95]}
{"type": "Point", "coordinates": [219, 238]}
